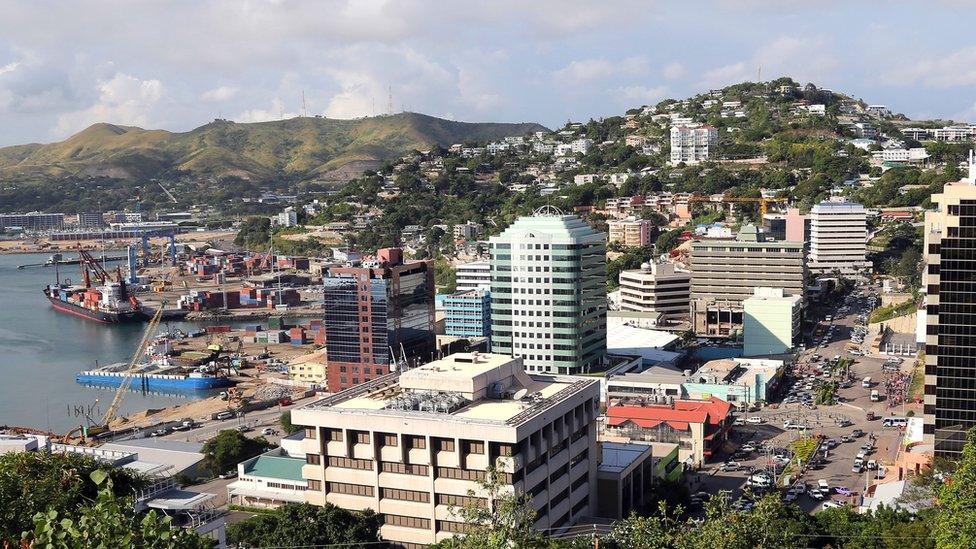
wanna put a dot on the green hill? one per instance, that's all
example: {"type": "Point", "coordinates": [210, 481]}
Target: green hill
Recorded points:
{"type": "Point", "coordinates": [297, 148]}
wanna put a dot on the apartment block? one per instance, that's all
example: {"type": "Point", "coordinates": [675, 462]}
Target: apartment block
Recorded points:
{"type": "Point", "coordinates": [692, 143]}
{"type": "Point", "coordinates": [950, 342]}
{"type": "Point", "coordinates": [631, 232]}
{"type": "Point", "coordinates": [838, 237]}
{"type": "Point", "coordinates": [772, 322]}
{"type": "Point", "coordinates": [548, 293]}
{"type": "Point", "coordinates": [655, 288]}
{"type": "Point", "coordinates": [412, 446]}
{"type": "Point", "coordinates": [471, 276]}
{"type": "Point", "coordinates": [373, 314]}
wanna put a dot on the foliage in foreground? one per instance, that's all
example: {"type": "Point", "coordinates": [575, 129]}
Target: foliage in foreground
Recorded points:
{"type": "Point", "coordinates": [229, 448]}
{"type": "Point", "coordinates": [304, 525]}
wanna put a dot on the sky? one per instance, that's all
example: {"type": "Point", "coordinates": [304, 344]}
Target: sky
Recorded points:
{"type": "Point", "coordinates": [176, 65]}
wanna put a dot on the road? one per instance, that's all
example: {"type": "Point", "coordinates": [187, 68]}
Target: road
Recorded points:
{"type": "Point", "coordinates": [854, 403]}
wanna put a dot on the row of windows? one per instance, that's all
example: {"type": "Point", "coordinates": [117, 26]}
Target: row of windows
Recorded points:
{"type": "Point", "coordinates": [460, 501]}
{"type": "Point", "coordinates": [350, 463]}
{"type": "Point", "coordinates": [281, 486]}
{"type": "Point", "coordinates": [453, 527]}
{"type": "Point", "coordinates": [406, 522]}
{"type": "Point", "coordinates": [403, 468]}
{"type": "Point", "coordinates": [404, 495]}
{"type": "Point", "coordinates": [460, 474]}
{"type": "Point", "coordinates": [351, 489]}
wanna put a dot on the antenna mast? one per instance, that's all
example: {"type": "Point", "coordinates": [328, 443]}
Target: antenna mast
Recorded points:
{"type": "Point", "coordinates": [391, 99]}
{"type": "Point", "coordinates": [304, 109]}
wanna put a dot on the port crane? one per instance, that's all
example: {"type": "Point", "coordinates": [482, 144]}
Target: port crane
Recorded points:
{"type": "Point", "coordinates": [113, 408]}
{"type": "Point", "coordinates": [169, 194]}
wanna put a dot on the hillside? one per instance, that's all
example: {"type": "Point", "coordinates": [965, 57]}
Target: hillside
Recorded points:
{"type": "Point", "coordinates": [298, 148]}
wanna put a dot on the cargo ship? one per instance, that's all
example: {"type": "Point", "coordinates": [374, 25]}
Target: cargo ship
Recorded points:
{"type": "Point", "coordinates": [157, 375]}
{"type": "Point", "coordinates": [109, 303]}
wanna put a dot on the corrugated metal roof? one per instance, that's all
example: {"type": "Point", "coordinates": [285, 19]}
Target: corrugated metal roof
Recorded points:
{"type": "Point", "coordinates": [280, 467]}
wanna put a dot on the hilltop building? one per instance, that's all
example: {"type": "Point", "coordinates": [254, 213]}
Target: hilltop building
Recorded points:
{"type": "Point", "coordinates": [692, 143]}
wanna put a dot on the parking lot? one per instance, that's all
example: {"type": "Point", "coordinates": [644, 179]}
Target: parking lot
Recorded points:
{"type": "Point", "coordinates": [799, 414]}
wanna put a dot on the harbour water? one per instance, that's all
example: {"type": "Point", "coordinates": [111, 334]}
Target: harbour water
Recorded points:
{"type": "Point", "coordinates": [41, 350]}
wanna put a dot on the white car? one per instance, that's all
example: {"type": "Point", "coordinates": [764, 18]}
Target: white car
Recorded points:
{"type": "Point", "coordinates": [823, 485]}
{"type": "Point", "coordinates": [755, 420]}
{"type": "Point", "coordinates": [832, 505]}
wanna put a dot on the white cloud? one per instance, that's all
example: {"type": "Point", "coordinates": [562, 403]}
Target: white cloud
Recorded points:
{"type": "Point", "coordinates": [9, 67]}
{"type": "Point", "coordinates": [275, 112]}
{"type": "Point", "coordinates": [806, 59]}
{"type": "Point", "coordinates": [223, 93]}
{"type": "Point", "coordinates": [584, 71]}
{"type": "Point", "coordinates": [640, 95]}
{"type": "Point", "coordinates": [122, 99]}
{"type": "Point", "coordinates": [674, 71]}
{"type": "Point", "coordinates": [955, 69]}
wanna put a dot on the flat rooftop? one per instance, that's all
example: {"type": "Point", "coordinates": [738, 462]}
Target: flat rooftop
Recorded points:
{"type": "Point", "coordinates": [477, 387]}
{"type": "Point", "coordinates": [618, 456]}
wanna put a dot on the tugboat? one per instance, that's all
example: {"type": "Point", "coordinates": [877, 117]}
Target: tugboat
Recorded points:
{"type": "Point", "coordinates": [109, 302]}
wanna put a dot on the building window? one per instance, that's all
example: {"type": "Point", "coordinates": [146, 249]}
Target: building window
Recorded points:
{"type": "Point", "coordinates": [315, 485]}
{"type": "Point", "coordinates": [362, 437]}
{"type": "Point", "coordinates": [453, 527]}
{"type": "Point", "coordinates": [350, 463]}
{"type": "Point", "coordinates": [404, 495]}
{"type": "Point", "coordinates": [313, 459]}
{"type": "Point", "coordinates": [460, 474]}
{"type": "Point", "coordinates": [333, 435]}
{"type": "Point", "coordinates": [311, 433]}
{"type": "Point", "coordinates": [452, 500]}
{"type": "Point", "coordinates": [406, 522]}
{"type": "Point", "coordinates": [474, 447]}
{"type": "Point", "coordinates": [415, 442]}
{"type": "Point", "coordinates": [444, 444]}
{"type": "Point", "coordinates": [403, 468]}
{"type": "Point", "coordinates": [351, 489]}
{"type": "Point", "coordinates": [387, 439]}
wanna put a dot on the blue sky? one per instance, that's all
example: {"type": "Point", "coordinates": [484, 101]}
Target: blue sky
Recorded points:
{"type": "Point", "coordinates": [176, 65]}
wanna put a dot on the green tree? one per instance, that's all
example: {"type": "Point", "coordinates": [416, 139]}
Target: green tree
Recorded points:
{"type": "Point", "coordinates": [304, 525]}
{"type": "Point", "coordinates": [955, 524]}
{"type": "Point", "coordinates": [230, 447]}
{"type": "Point", "coordinates": [109, 521]}
{"type": "Point", "coordinates": [668, 241]}
{"type": "Point", "coordinates": [36, 482]}
{"type": "Point", "coordinates": [285, 421]}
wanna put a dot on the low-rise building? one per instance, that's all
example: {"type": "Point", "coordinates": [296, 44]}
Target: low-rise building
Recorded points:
{"type": "Point", "coordinates": [468, 313]}
{"type": "Point", "coordinates": [271, 479]}
{"type": "Point", "coordinates": [630, 232]}
{"type": "Point", "coordinates": [741, 382]}
{"type": "Point", "coordinates": [698, 427]}
{"type": "Point", "coordinates": [414, 445]}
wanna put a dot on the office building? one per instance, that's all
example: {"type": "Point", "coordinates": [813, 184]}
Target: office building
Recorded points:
{"type": "Point", "coordinates": [772, 322]}
{"type": "Point", "coordinates": [90, 220]}
{"type": "Point", "coordinates": [548, 293]}
{"type": "Point", "coordinates": [838, 237]}
{"type": "Point", "coordinates": [791, 225]}
{"type": "Point", "coordinates": [950, 370]}
{"type": "Point", "coordinates": [630, 233]}
{"type": "Point", "coordinates": [471, 276]}
{"type": "Point", "coordinates": [415, 445]}
{"type": "Point", "coordinates": [629, 475]}
{"type": "Point", "coordinates": [692, 143]}
{"type": "Point", "coordinates": [726, 272]}
{"type": "Point", "coordinates": [374, 313]}
{"type": "Point", "coordinates": [468, 314]}
{"type": "Point", "coordinates": [655, 288]}
{"type": "Point", "coordinates": [741, 382]}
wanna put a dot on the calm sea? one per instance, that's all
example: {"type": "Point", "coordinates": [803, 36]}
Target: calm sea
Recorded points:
{"type": "Point", "coordinates": [41, 350]}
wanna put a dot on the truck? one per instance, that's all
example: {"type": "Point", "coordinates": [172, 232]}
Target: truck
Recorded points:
{"type": "Point", "coordinates": [875, 396]}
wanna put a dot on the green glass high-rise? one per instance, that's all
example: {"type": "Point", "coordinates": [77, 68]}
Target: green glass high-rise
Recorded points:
{"type": "Point", "coordinates": [548, 293]}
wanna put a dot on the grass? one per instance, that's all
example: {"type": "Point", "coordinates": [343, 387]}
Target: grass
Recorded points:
{"type": "Point", "coordinates": [881, 314]}
{"type": "Point", "coordinates": [803, 450]}
{"type": "Point", "coordinates": [918, 381]}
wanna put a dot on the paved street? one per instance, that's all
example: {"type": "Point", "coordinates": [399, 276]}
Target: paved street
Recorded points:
{"type": "Point", "coordinates": [854, 402]}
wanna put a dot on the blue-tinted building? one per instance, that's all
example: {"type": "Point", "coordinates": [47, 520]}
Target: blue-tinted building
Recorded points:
{"type": "Point", "coordinates": [468, 313]}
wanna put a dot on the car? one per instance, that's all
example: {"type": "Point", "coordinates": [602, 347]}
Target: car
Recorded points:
{"type": "Point", "coordinates": [858, 466]}
{"type": "Point", "coordinates": [847, 438]}
{"type": "Point", "coordinates": [867, 448]}
{"type": "Point", "coordinates": [228, 474]}
{"type": "Point", "coordinates": [857, 433]}
{"type": "Point", "coordinates": [832, 505]}
{"type": "Point", "coordinates": [790, 496]}
{"type": "Point", "coordinates": [182, 427]}
{"type": "Point", "coordinates": [161, 432]}
{"type": "Point", "coordinates": [815, 494]}
{"type": "Point", "coordinates": [823, 484]}
{"type": "Point", "coordinates": [243, 428]}
{"type": "Point", "coordinates": [841, 490]}
{"type": "Point", "coordinates": [739, 421]}
{"type": "Point", "coordinates": [705, 496]}
{"type": "Point", "coordinates": [756, 420]}
{"type": "Point", "coordinates": [267, 431]}
{"type": "Point", "coordinates": [872, 464]}
{"type": "Point", "coordinates": [226, 414]}
{"type": "Point", "coordinates": [731, 466]}
{"type": "Point", "coordinates": [844, 423]}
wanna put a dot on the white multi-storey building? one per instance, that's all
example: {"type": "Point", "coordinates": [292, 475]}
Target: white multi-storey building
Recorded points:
{"type": "Point", "coordinates": [288, 218]}
{"type": "Point", "coordinates": [656, 288]}
{"type": "Point", "coordinates": [472, 276]}
{"type": "Point", "coordinates": [838, 237]}
{"type": "Point", "coordinates": [691, 143]}
{"type": "Point", "coordinates": [417, 445]}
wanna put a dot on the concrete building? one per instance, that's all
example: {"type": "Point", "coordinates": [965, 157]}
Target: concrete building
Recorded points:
{"type": "Point", "coordinates": [692, 143]}
{"type": "Point", "coordinates": [629, 474]}
{"type": "Point", "coordinates": [310, 369]}
{"type": "Point", "coordinates": [90, 220]}
{"type": "Point", "coordinates": [655, 288]}
{"type": "Point", "coordinates": [33, 221]}
{"type": "Point", "coordinates": [950, 372]}
{"type": "Point", "coordinates": [288, 217]}
{"type": "Point", "coordinates": [468, 314]}
{"type": "Point", "coordinates": [373, 313]}
{"type": "Point", "coordinates": [548, 293]}
{"type": "Point", "coordinates": [838, 237]}
{"type": "Point", "coordinates": [698, 427]}
{"type": "Point", "coordinates": [467, 231]}
{"type": "Point", "coordinates": [273, 478]}
{"type": "Point", "coordinates": [471, 276]}
{"type": "Point", "coordinates": [791, 225]}
{"type": "Point", "coordinates": [630, 232]}
{"type": "Point", "coordinates": [414, 445]}
{"type": "Point", "coordinates": [772, 322]}
{"type": "Point", "coordinates": [726, 272]}
{"type": "Point", "coordinates": [741, 382]}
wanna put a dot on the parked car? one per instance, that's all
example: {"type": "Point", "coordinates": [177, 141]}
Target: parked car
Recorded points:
{"type": "Point", "coordinates": [228, 474]}
{"type": "Point", "coordinates": [226, 414]}
{"type": "Point", "coordinates": [756, 420]}
{"type": "Point", "coordinates": [841, 490]}
{"type": "Point", "coordinates": [832, 505]}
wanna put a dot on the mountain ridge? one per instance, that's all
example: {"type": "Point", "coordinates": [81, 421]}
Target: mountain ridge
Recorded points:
{"type": "Point", "coordinates": [303, 148]}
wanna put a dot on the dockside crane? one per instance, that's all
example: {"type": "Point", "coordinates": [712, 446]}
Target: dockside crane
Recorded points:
{"type": "Point", "coordinates": [113, 408]}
